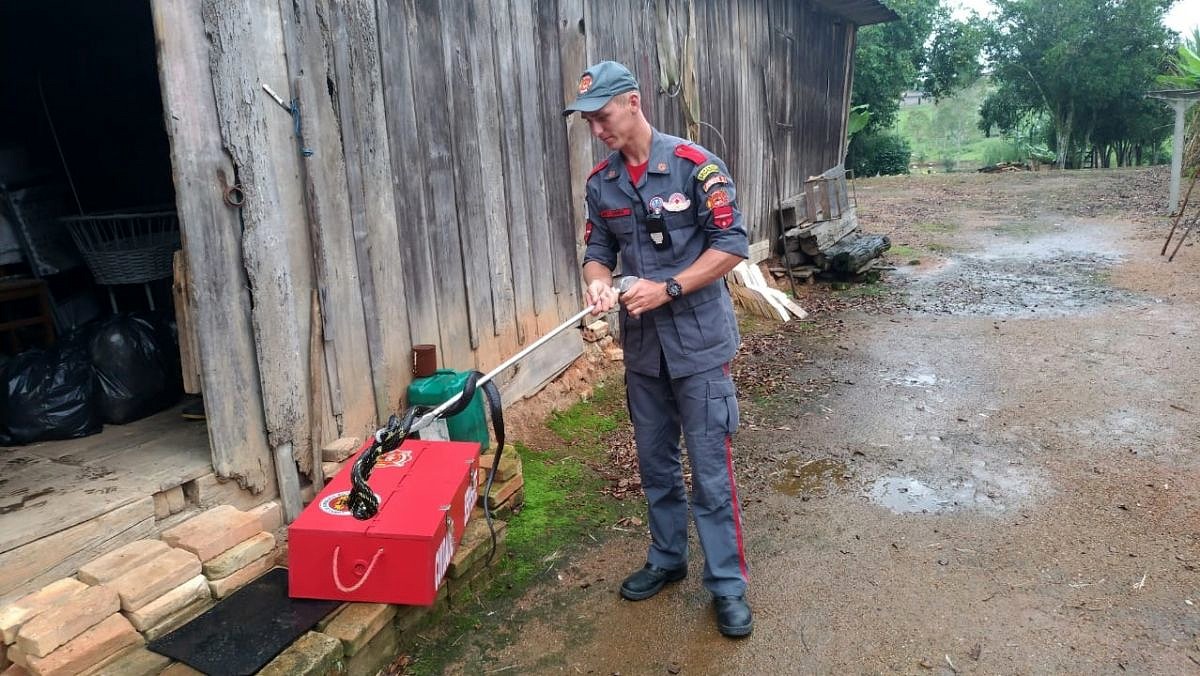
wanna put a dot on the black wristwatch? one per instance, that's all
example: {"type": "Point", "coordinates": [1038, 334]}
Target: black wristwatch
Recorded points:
{"type": "Point", "coordinates": [674, 290]}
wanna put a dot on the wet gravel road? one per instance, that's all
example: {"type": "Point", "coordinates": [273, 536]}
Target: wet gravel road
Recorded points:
{"type": "Point", "coordinates": [997, 475]}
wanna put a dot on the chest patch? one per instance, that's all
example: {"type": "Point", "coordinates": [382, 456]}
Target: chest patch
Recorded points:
{"type": "Point", "coordinates": [615, 213]}
{"type": "Point", "coordinates": [677, 202]}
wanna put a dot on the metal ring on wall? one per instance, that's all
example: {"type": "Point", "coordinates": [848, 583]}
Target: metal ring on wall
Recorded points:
{"type": "Point", "coordinates": [235, 196]}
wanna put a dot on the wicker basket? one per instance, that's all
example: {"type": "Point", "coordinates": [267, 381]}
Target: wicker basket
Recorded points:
{"type": "Point", "coordinates": [127, 248]}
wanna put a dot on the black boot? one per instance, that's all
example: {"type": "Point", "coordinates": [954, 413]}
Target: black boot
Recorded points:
{"type": "Point", "coordinates": [649, 581]}
{"type": "Point", "coordinates": [733, 615]}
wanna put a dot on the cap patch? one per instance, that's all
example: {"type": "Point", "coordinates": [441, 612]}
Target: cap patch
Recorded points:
{"type": "Point", "coordinates": [585, 83]}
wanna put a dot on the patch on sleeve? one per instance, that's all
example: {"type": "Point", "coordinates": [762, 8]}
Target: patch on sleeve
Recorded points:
{"type": "Point", "coordinates": [587, 232]}
{"type": "Point", "coordinates": [714, 181]}
{"type": "Point", "coordinates": [599, 167]}
{"type": "Point", "coordinates": [691, 153]}
{"type": "Point", "coordinates": [706, 171]}
{"type": "Point", "coordinates": [723, 216]}
{"type": "Point", "coordinates": [718, 198]}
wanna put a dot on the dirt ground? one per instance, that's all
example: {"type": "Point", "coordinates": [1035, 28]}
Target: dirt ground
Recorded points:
{"type": "Point", "coordinates": [984, 464]}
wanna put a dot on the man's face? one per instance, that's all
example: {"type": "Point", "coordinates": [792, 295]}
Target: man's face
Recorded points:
{"type": "Point", "coordinates": [615, 123]}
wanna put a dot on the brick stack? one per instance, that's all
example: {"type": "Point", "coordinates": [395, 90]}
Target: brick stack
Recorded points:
{"type": "Point", "coordinates": [598, 341]}
{"type": "Point", "coordinates": [72, 629]}
{"type": "Point", "coordinates": [335, 453]}
{"type": "Point", "coordinates": [470, 563]}
{"type": "Point", "coordinates": [230, 545]}
{"type": "Point", "coordinates": [156, 583]}
{"type": "Point", "coordinates": [508, 490]}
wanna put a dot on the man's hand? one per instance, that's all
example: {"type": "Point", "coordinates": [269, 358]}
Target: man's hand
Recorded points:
{"type": "Point", "coordinates": [644, 296]}
{"type": "Point", "coordinates": [602, 296]}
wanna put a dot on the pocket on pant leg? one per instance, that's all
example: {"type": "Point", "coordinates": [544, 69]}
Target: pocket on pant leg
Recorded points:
{"type": "Point", "coordinates": [722, 406]}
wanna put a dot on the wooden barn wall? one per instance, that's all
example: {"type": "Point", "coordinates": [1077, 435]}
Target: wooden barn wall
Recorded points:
{"type": "Point", "coordinates": [429, 191]}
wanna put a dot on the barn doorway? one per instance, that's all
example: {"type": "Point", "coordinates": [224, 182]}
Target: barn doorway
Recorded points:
{"type": "Point", "coordinates": [87, 236]}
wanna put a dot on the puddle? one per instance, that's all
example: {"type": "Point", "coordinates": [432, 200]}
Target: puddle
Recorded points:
{"type": "Point", "coordinates": [812, 477]}
{"type": "Point", "coordinates": [982, 489]}
{"type": "Point", "coordinates": [903, 495]}
{"type": "Point", "coordinates": [1053, 274]}
{"type": "Point", "coordinates": [920, 378]}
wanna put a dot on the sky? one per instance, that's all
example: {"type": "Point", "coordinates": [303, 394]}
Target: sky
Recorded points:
{"type": "Point", "coordinates": [1183, 17]}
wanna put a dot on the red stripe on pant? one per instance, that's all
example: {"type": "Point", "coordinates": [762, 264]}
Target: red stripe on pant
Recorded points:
{"type": "Point", "coordinates": [737, 510]}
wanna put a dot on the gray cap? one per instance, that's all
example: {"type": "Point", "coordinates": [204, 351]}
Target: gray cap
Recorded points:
{"type": "Point", "coordinates": [599, 84]}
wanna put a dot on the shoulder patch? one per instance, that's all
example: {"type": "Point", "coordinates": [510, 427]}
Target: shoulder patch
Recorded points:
{"type": "Point", "coordinates": [598, 168]}
{"type": "Point", "coordinates": [690, 152]}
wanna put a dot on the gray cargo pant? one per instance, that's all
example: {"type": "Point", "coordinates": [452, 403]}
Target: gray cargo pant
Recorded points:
{"type": "Point", "coordinates": [704, 406]}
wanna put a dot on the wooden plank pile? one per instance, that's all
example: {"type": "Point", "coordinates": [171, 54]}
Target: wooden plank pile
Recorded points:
{"type": "Point", "coordinates": [751, 292]}
{"type": "Point", "coordinates": [821, 231]}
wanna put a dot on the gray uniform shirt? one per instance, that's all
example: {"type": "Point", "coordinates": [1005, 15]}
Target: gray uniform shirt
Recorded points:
{"type": "Point", "coordinates": [693, 192]}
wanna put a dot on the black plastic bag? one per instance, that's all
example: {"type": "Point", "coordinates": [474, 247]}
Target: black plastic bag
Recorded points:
{"type": "Point", "coordinates": [136, 361]}
{"type": "Point", "coordinates": [50, 394]}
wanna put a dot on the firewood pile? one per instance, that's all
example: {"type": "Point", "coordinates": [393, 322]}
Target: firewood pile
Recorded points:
{"type": "Point", "coordinates": [1004, 167]}
{"type": "Point", "coordinates": [821, 232]}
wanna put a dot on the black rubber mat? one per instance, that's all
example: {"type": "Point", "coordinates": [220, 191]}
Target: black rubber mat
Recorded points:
{"type": "Point", "coordinates": [245, 630]}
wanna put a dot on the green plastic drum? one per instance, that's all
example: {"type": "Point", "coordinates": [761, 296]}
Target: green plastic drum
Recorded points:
{"type": "Point", "coordinates": [470, 424]}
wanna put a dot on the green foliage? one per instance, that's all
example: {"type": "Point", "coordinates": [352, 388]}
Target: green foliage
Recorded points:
{"type": "Point", "coordinates": [875, 154]}
{"type": "Point", "coordinates": [1076, 62]}
{"type": "Point", "coordinates": [860, 117]}
{"type": "Point", "coordinates": [1184, 66]}
{"type": "Point", "coordinates": [889, 57]}
{"type": "Point", "coordinates": [926, 48]}
{"type": "Point", "coordinates": [952, 61]}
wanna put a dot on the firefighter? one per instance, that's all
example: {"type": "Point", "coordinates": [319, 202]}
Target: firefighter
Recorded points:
{"type": "Point", "coordinates": [666, 210]}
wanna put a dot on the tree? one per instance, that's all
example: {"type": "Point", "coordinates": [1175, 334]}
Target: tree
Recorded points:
{"type": "Point", "coordinates": [888, 59]}
{"type": "Point", "coordinates": [1072, 60]}
{"type": "Point", "coordinates": [952, 59]}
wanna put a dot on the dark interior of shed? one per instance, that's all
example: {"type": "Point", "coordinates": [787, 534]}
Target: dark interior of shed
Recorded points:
{"type": "Point", "coordinates": [81, 132]}
{"type": "Point", "coordinates": [88, 344]}
{"type": "Point", "coordinates": [90, 380]}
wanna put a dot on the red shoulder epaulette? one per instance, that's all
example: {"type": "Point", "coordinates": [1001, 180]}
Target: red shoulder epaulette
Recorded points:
{"type": "Point", "coordinates": [598, 168]}
{"type": "Point", "coordinates": [690, 152]}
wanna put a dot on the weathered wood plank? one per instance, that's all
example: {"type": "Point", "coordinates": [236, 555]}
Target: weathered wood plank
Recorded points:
{"type": "Point", "coordinates": [491, 158]}
{"type": "Point", "coordinates": [433, 128]}
{"type": "Point", "coordinates": [362, 105]}
{"type": "Point", "coordinates": [218, 288]}
{"type": "Point", "coordinates": [324, 427]}
{"type": "Point", "coordinates": [515, 187]}
{"type": "Point", "coordinates": [60, 554]}
{"type": "Point", "coordinates": [821, 236]}
{"type": "Point", "coordinates": [247, 52]}
{"type": "Point", "coordinates": [538, 214]}
{"type": "Point", "coordinates": [573, 60]}
{"type": "Point", "coordinates": [408, 172]}
{"type": "Point", "coordinates": [559, 222]}
{"type": "Point", "coordinates": [189, 346]}
{"type": "Point", "coordinates": [345, 353]}
{"type": "Point", "coordinates": [469, 182]}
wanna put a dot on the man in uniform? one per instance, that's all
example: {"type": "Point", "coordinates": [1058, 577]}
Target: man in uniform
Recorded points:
{"type": "Point", "coordinates": [667, 209]}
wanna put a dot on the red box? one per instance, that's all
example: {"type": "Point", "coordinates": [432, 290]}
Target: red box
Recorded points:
{"type": "Point", "coordinates": [426, 491]}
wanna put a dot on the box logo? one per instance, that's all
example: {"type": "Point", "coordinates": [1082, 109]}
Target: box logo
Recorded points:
{"type": "Point", "coordinates": [338, 504]}
{"type": "Point", "coordinates": [445, 552]}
